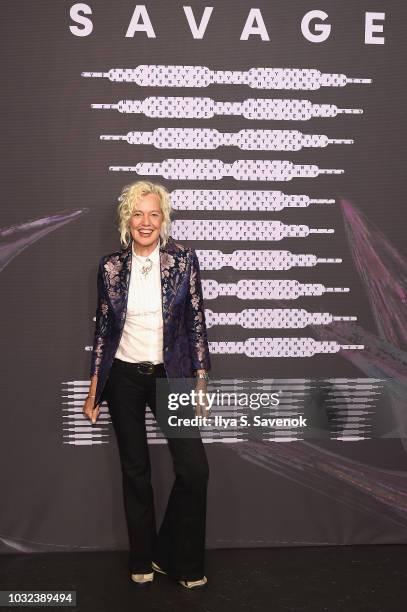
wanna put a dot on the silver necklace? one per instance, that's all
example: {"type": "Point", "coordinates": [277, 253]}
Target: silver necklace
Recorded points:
{"type": "Point", "coordinates": [145, 263]}
{"type": "Point", "coordinates": [145, 266]}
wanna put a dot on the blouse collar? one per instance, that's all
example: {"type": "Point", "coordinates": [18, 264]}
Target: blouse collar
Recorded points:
{"type": "Point", "coordinates": [154, 255]}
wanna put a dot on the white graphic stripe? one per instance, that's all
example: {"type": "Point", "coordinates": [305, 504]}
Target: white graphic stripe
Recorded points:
{"type": "Point", "coordinates": [211, 139]}
{"type": "Point", "coordinates": [244, 199]}
{"type": "Point", "coordinates": [162, 75]}
{"type": "Point", "coordinates": [183, 107]}
{"type": "Point", "coordinates": [272, 318]}
{"type": "Point", "coordinates": [255, 289]}
{"type": "Point", "coordinates": [216, 169]}
{"type": "Point", "coordinates": [229, 229]}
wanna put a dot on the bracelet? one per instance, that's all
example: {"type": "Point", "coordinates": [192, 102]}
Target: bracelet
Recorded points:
{"type": "Point", "coordinates": [202, 375]}
{"type": "Point", "coordinates": [89, 396]}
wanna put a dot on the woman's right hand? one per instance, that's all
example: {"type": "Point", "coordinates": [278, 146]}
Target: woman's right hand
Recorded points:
{"type": "Point", "coordinates": [91, 412]}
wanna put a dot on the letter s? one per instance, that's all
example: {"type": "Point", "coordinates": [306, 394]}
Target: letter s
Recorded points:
{"type": "Point", "coordinates": [75, 15]}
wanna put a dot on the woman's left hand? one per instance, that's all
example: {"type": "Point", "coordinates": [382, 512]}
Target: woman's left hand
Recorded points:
{"type": "Point", "coordinates": [202, 404]}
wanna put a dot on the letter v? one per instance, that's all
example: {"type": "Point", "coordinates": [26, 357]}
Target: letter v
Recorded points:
{"type": "Point", "coordinates": [198, 31]}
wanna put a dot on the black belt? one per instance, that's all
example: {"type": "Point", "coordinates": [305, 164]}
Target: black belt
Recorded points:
{"type": "Point", "coordinates": [143, 367]}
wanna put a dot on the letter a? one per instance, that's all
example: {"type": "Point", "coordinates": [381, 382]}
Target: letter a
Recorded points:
{"type": "Point", "coordinates": [250, 28]}
{"type": "Point", "coordinates": [144, 26]}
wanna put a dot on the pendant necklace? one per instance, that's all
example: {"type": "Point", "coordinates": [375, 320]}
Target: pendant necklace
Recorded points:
{"type": "Point", "coordinates": [146, 267]}
{"type": "Point", "coordinates": [146, 264]}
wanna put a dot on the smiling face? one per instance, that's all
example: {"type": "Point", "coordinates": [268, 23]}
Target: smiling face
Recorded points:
{"type": "Point", "coordinates": [145, 223]}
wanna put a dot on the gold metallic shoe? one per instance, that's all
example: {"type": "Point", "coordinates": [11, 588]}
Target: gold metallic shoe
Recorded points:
{"type": "Point", "coordinates": [194, 584]}
{"type": "Point", "coordinates": [142, 580]}
{"type": "Point", "coordinates": [157, 568]}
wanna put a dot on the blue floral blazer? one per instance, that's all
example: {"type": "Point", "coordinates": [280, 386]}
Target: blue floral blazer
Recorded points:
{"type": "Point", "coordinates": [184, 329]}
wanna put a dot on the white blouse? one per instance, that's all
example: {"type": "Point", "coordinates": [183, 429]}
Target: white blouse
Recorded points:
{"type": "Point", "coordinates": [142, 337]}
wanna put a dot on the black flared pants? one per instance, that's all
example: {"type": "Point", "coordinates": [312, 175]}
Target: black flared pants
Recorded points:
{"type": "Point", "coordinates": [179, 546]}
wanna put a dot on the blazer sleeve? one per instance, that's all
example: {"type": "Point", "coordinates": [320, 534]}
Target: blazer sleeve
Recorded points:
{"type": "Point", "coordinates": [102, 325]}
{"type": "Point", "coordinates": [195, 319]}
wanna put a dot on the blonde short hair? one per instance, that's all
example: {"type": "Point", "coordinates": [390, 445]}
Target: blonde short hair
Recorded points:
{"type": "Point", "coordinates": [130, 196]}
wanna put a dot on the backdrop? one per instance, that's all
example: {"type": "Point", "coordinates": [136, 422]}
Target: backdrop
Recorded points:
{"type": "Point", "coordinates": [280, 131]}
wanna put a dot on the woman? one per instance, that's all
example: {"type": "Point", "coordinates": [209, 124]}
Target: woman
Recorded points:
{"type": "Point", "coordinates": [150, 328]}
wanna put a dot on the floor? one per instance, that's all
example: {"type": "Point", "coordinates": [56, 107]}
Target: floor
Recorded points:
{"type": "Point", "coordinates": [314, 579]}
